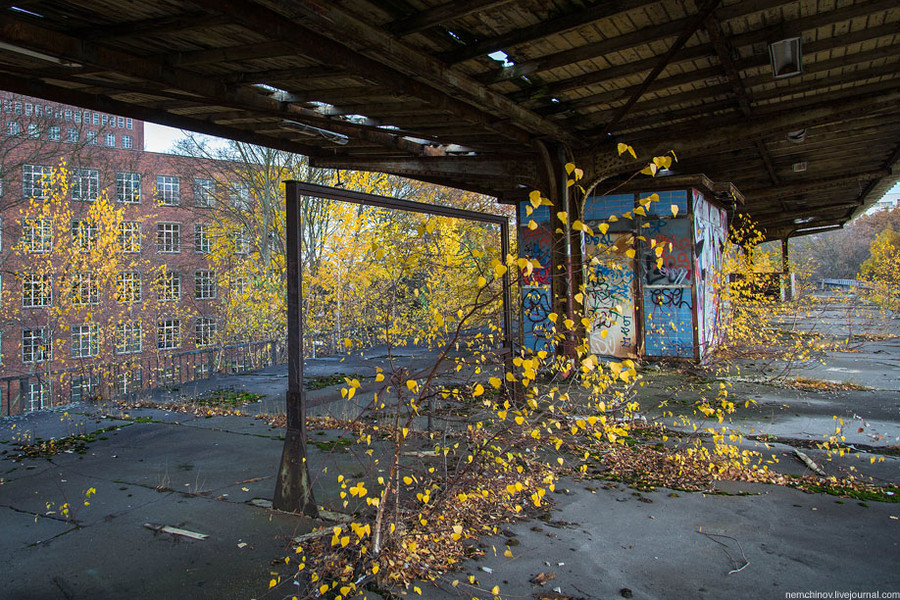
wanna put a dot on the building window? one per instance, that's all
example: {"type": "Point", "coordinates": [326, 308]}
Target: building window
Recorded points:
{"type": "Point", "coordinates": [37, 395]}
{"type": "Point", "coordinates": [68, 114]}
{"type": "Point", "coordinates": [91, 137]}
{"type": "Point", "coordinates": [240, 285]}
{"type": "Point", "coordinates": [205, 285]}
{"type": "Point", "coordinates": [168, 287]}
{"type": "Point", "coordinates": [127, 142]}
{"type": "Point", "coordinates": [37, 290]}
{"type": "Point", "coordinates": [168, 237]}
{"type": "Point", "coordinates": [201, 238]}
{"type": "Point", "coordinates": [121, 122]}
{"type": "Point", "coordinates": [168, 190]}
{"type": "Point", "coordinates": [96, 118]}
{"type": "Point", "coordinates": [34, 131]}
{"type": "Point", "coordinates": [37, 235]}
{"type": "Point", "coordinates": [204, 192]}
{"type": "Point", "coordinates": [54, 134]}
{"type": "Point", "coordinates": [129, 123]}
{"type": "Point", "coordinates": [29, 109]}
{"type": "Point", "coordinates": [84, 235]}
{"type": "Point", "coordinates": [239, 196]}
{"type": "Point", "coordinates": [205, 331]}
{"type": "Point", "coordinates": [129, 338]}
{"type": "Point", "coordinates": [86, 185]}
{"type": "Point", "coordinates": [18, 107]}
{"type": "Point", "coordinates": [36, 345]}
{"type": "Point", "coordinates": [84, 388]}
{"type": "Point", "coordinates": [85, 289]}
{"type": "Point", "coordinates": [129, 380]}
{"type": "Point", "coordinates": [77, 116]}
{"type": "Point", "coordinates": [105, 120]}
{"type": "Point", "coordinates": [85, 340]}
{"type": "Point", "coordinates": [12, 128]}
{"type": "Point", "coordinates": [242, 241]}
{"type": "Point", "coordinates": [130, 236]}
{"type": "Point", "coordinates": [168, 334]}
{"type": "Point", "coordinates": [128, 287]}
{"type": "Point", "coordinates": [34, 178]}
{"type": "Point", "coordinates": [111, 140]}
{"type": "Point", "coordinates": [128, 187]}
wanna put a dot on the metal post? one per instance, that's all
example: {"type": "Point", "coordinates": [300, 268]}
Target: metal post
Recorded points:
{"type": "Point", "coordinates": [293, 489]}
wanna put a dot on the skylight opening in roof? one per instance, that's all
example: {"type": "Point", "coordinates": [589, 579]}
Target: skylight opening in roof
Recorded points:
{"type": "Point", "coordinates": [454, 35]}
{"type": "Point", "coordinates": [555, 100]}
{"type": "Point", "coordinates": [501, 57]}
{"type": "Point", "coordinates": [26, 12]}
{"type": "Point", "coordinates": [269, 88]}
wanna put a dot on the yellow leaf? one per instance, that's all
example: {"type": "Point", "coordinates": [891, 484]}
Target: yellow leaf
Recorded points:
{"type": "Point", "coordinates": [649, 170]}
{"type": "Point", "coordinates": [532, 225]}
{"type": "Point", "coordinates": [411, 384]}
{"type": "Point", "coordinates": [569, 168]}
{"type": "Point", "coordinates": [482, 282]}
{"type": "Point", "coordinates": [272, 584]}
{"type": "Point", "coordinates": [495, 590]}
{"type": "Point", "coordinates": [417, 590]}
{"type": "Point", "coordinates": [535, 198]}
{"type": "Point", "coordinates": [578, 225]}
{"type": "Point", "coordinates": [674, 210]}
{"type": "Point", "coordinates": [630, 253]}
{"type": "Point", "coordinates": [379, 377]}
{"type": "Point", "coordinates": [640, 211]}
{"type": "Point", "coordinates": [500, 269]}
{"type": "Point", "coordinates": [407, 480]}
{"type": "Point", "coordinates": [562, 216]}
{"type": "Point", "coordinates": [479, 390]}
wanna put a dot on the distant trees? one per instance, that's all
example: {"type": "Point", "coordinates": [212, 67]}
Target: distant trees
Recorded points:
{"type": "Point", "coordinates": [840, 254]}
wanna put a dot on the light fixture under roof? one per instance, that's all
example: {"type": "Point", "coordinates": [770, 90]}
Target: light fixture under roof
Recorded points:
{"type": "Point", "coordinates": [800, 167]}
{"type": "Point", "coordinates": [798, 136]}
{"type": "Point", "coordinates": [785, 57]}
{"type": "Point", "coordinates": [331, 136]}
{"type": "Point", "coordinates": [803, 220]}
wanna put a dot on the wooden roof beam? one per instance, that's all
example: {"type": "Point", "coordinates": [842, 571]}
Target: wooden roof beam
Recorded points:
{"type": "Point", "coordinates": [148, 27]}
{"type": "Point", "coordinates": [573, 19]}
{"type": "Point", "coordinates": [688, 54]}
{"type": "Point", "coordinates": [59, 44]}
{"type": "Point", "coordinates": [228, 54]}
{"type": "Point", "coordinates": [511, 171]}
{"type": "Point", "coordinates": [683, 37]}
{"type": "Point", "coordinates": [440, 15]}
{"type": "Point", "coordinates": [397, 65]}
{"type": "Point", "coordinates": [658, 32]}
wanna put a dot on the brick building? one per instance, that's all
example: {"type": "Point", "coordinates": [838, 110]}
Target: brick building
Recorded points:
{"type": "Point", "coordinates": [153, 317]}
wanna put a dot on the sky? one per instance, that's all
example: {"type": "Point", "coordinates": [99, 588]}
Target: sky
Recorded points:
{"type": "Point", "coordinates": [159, 138]}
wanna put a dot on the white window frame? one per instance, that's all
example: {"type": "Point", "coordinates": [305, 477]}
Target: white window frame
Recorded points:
{"type": "Point", "coordinates": [37, 346]}
{"type": "Point", "coordinates": [129, 236]}
{"type": "Point", "coordinates": [85, 289]}
{"type": "Point", "coordinates": [168, 333]}
{"type": "Point", "coordinates": [85, 340]}
{"type": "Point", "coordinates": [37, 290]}
{"type": "Point", "coordinates": [168, 238]}
{"type": "Point", "coordinates": [205, 330]}
{"type": "Point", "coordinates": [33, 179]}
{"type": "Point", "coordinates": [168, 190]}
{"type": "Point", "coordinates": [202, 242]}
{"type": "Point", "coordinates": [37, 235]}
{"type": "Point", "coordinates": [129, 338]}
{"type": "Point", "coordinates": [206, 286]}
{"type": "Point", "coordinates": [84, 235]}
{"type": "Point", "coordinates": [129, 287]}
{"type": "Point", "coordinates": [128, 187]}
{"type": "Point", "coordinates": [168, 286]}
{"type": "Point", "coordinates": [204, 192]}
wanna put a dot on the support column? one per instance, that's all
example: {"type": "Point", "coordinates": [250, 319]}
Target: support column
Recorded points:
{"type": "Point", "coordinates": [293, 488]}
{"type": "Point", "coordinates": [787, 289]}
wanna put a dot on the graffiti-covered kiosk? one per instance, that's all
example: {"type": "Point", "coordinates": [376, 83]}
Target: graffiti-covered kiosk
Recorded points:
{"type": "Point", "coordinates": [651, 258]}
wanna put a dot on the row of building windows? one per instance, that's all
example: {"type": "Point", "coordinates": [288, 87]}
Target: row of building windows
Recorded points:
{"type": "Point", "coordinates": [37, 343]}
{"type": "Point", "coordinates": [37, 237]}
{"type": "Point", "coordinates": [73, 136]}
{"type": "Point", "coordinates": [86, 187]}
{"type": "Point", "coordinates": [37, 288]}
{"type": "Point", "coordinates": [47, 111]}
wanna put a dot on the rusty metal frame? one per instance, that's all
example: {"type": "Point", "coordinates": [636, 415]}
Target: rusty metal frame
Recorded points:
{"type": "Point", "coordinates": [293, 491]}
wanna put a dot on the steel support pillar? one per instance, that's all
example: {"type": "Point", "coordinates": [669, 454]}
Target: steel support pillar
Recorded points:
{"type": "Point", "coordinates": [293, 488]}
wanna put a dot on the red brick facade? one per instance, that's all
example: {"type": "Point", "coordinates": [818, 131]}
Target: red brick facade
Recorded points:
{"type": "Point", "coordinates": [164, 195]}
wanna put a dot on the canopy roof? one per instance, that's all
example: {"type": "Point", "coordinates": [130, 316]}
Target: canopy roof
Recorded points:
{"type": "Point", "coordinates": [468, 92]}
